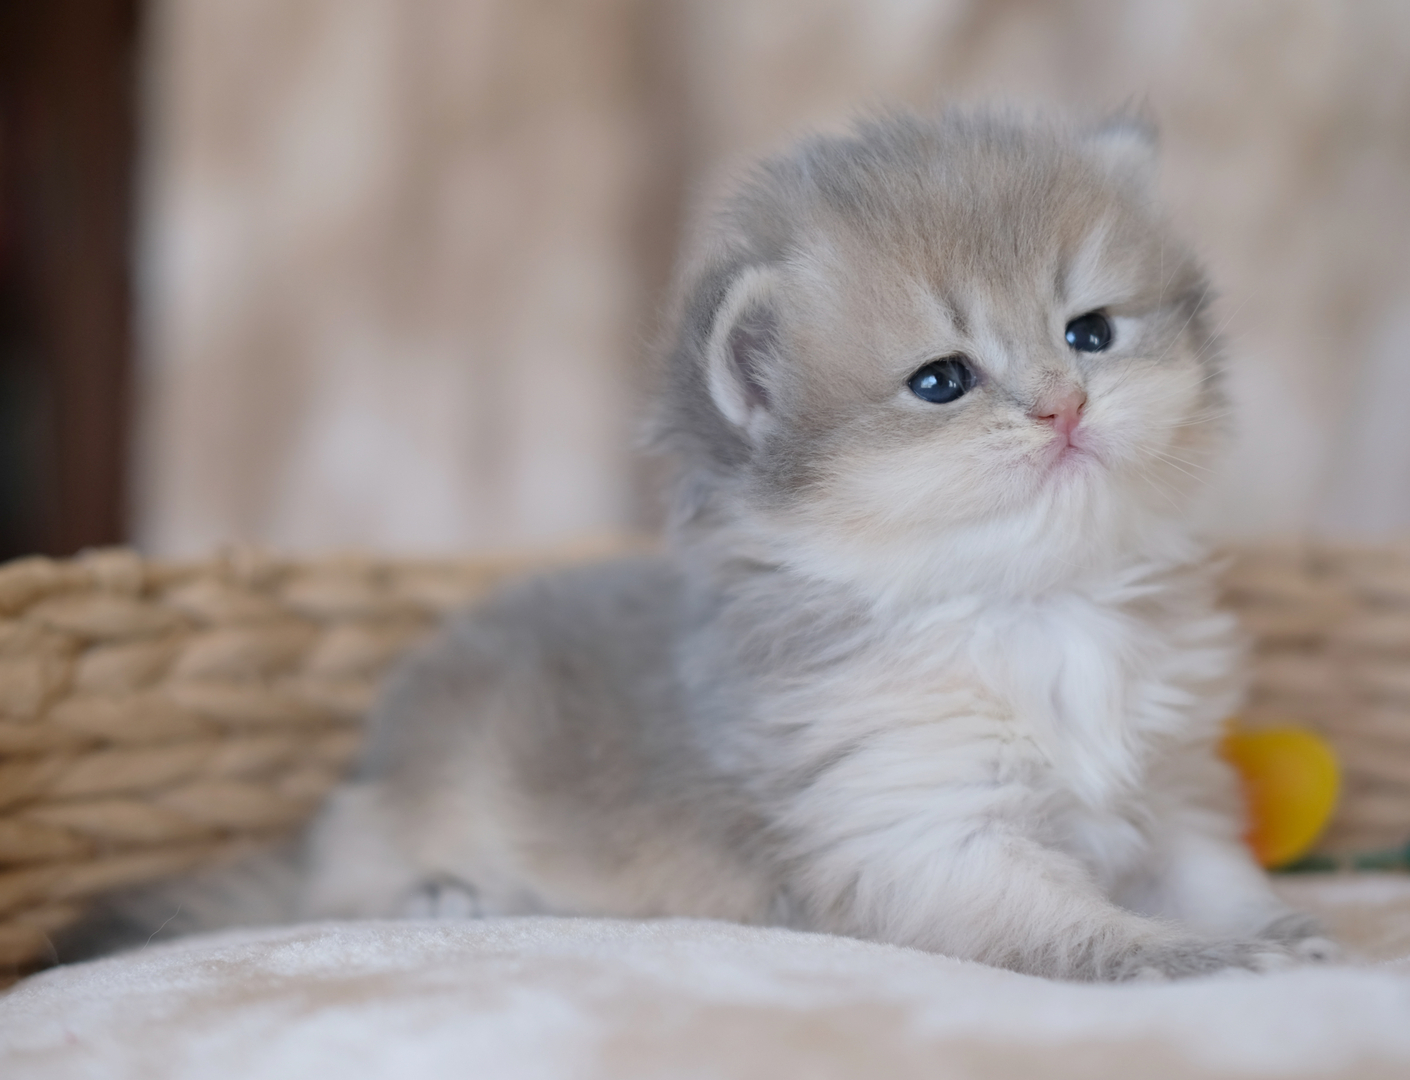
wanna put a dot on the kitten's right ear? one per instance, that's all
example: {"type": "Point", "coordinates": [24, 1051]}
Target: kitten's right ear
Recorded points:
{"type": "Point", "coordinates": [742, 349]}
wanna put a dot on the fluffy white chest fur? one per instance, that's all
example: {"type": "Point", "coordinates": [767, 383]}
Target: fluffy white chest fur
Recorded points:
{"type": "Point", "coordinates": [1066, 715]}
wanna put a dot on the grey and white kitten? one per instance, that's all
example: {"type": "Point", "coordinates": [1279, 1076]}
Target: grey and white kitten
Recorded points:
{"type": "Point", "coordinates": [930, 657]}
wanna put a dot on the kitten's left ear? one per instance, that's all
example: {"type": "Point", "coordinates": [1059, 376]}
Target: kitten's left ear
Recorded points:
{"type": "Point", "coordinates": [1127, 146]}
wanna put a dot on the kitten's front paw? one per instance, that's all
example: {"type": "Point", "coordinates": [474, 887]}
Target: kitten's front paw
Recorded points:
{"type": "Point", "coordinates": [1189, 959]}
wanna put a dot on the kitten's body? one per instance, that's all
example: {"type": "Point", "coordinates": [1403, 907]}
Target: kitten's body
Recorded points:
{"type": "Point", "coordinates": [993, 780]}
{"type": "Point", "coordinates": [942, 674]}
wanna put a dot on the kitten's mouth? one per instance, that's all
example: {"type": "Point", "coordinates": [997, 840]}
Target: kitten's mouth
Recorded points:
{"type": "Point", "coordinates": [1068, 451]}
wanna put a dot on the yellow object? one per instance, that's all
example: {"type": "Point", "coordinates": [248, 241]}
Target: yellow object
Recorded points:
{"type": "Point", "coordinates": [1290, 780]}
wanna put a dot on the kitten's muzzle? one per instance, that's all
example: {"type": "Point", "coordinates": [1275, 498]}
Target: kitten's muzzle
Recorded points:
{"type": "Point", "coordinates": [1063, 410]}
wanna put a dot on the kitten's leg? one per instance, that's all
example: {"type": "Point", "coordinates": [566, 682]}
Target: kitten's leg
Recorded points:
{"type": "Point", "coordinates": [1202, 874]}
{"type": "Point", "coordinates": [991, 893]}
{"type": "Point", "coordinates": [1207, 879]}
{"type": "Point", "coordinates": [1096, 939]}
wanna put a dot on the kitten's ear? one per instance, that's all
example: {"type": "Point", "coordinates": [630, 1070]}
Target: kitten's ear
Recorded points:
{"type": "Point", "coordinates": [1127, 146]}
{"type": "Point", "coordinates": [742, 349]}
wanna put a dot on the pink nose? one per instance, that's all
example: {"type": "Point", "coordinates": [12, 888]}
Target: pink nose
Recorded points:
{"type": "Point", "coordinates": [1063, 410]}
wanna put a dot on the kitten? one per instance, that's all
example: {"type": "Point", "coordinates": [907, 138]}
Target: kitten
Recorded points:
{"type": "Point", "coordinates": [931, 657]}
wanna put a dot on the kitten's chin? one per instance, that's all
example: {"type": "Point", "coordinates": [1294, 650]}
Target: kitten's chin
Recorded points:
{"type": "Point", "coordinates": [1069, 462]}
{"type": "Point", "coordinates": [1080, 527]}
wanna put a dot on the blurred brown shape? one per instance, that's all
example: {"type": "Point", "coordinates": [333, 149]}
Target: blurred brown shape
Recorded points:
{"type": "Point", "coordinates": [67, 96]}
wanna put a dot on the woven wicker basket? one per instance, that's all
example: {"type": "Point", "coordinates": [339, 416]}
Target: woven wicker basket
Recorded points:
{"type": "Point", "coordinates": [154, 716]}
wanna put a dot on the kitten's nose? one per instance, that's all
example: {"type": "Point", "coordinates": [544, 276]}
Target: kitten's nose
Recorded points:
{"type": "Point", "coordinates": [1063, 410]}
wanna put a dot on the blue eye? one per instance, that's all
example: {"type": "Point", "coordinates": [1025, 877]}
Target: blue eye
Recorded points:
{"type": "Point", "coordinates": [1089, 333]}
{"type": "Point", "coordinates": [942, 381]}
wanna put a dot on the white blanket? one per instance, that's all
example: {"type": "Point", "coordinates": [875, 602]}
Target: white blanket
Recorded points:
{"type": "Point", "coordinates": [551, 998]}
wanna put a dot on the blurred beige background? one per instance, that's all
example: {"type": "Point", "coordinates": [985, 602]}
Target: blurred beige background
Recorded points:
{"type": "Point", "coordinates": [402, 259]}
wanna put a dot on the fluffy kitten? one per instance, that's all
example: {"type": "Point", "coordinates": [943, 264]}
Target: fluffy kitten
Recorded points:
{"type": "Point", "coordinates": [931, 657]}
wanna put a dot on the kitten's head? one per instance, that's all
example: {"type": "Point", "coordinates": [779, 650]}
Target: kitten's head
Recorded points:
{"type": "Point", "coordinates": [942, 355]}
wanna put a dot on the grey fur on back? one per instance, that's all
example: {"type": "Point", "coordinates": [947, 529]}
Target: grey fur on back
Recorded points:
{"type": "Point", "coordinates": [581, 718]}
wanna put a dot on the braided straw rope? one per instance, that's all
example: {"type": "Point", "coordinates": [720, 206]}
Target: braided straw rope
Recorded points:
{"type": "Point", "coordinates": [155, 716]}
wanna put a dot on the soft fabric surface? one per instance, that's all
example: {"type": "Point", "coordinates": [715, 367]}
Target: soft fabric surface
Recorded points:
{"type": "Point", "coordinates": [548, 998]}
